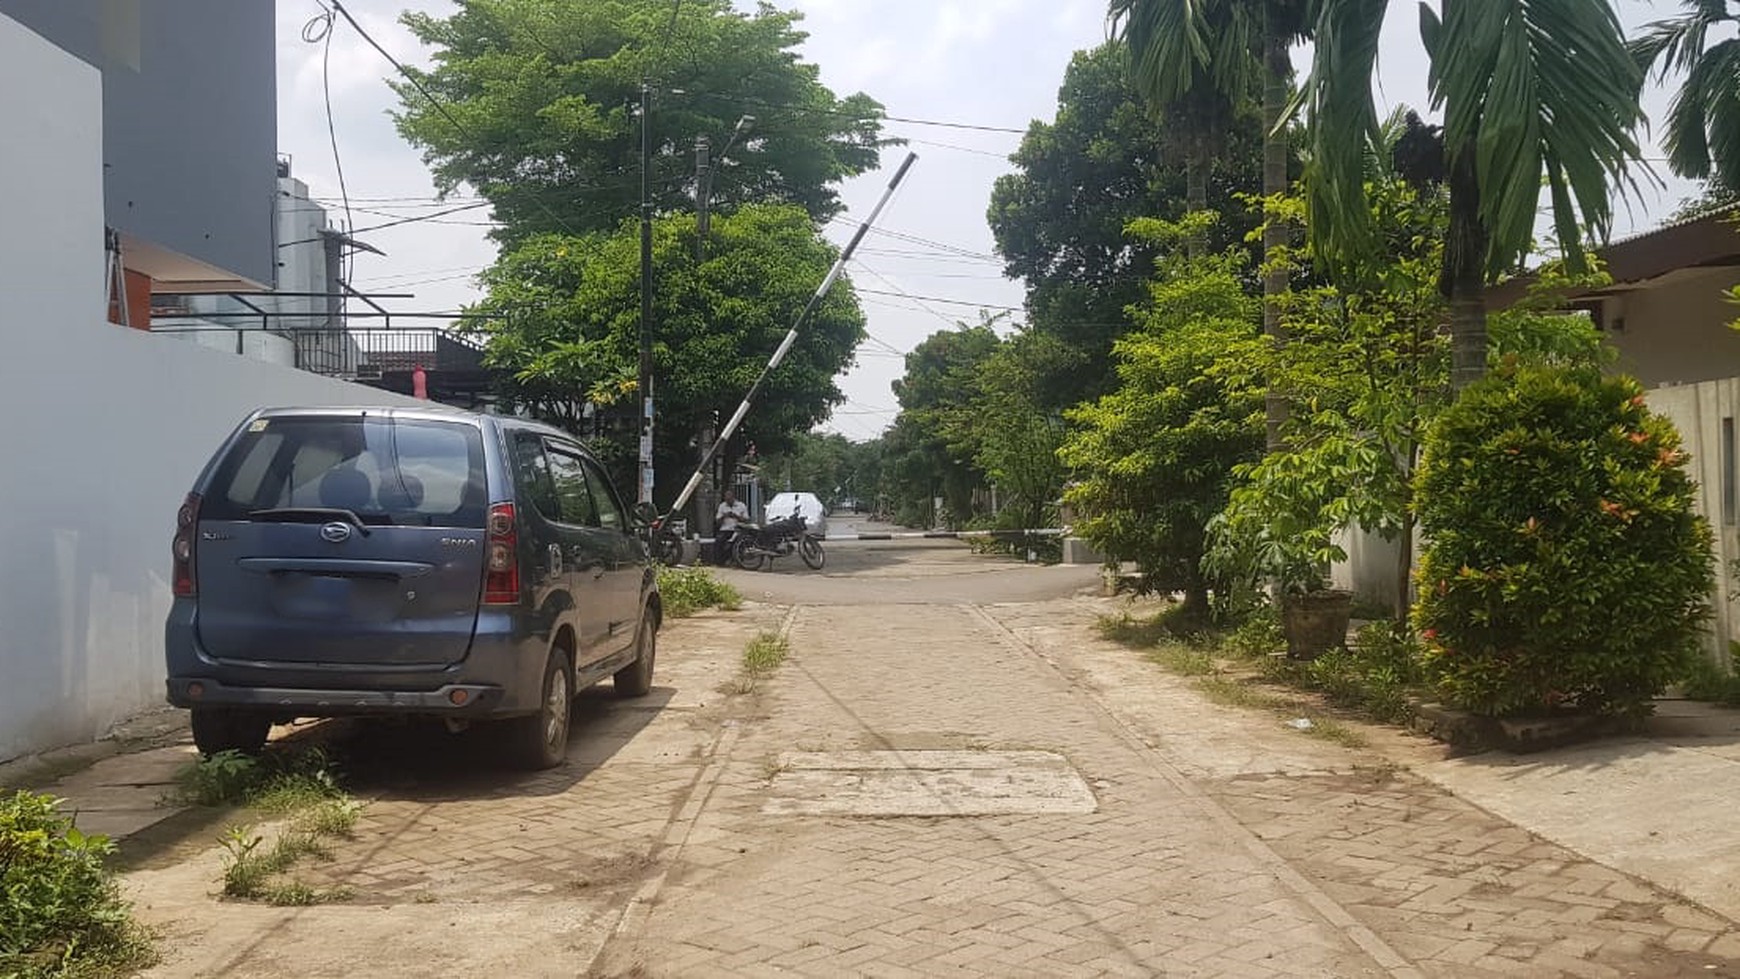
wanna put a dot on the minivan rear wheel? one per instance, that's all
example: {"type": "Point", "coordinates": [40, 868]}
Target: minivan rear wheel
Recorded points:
{"type": "Point", "coordinates": [539, 741]}
{"type": "Point", "coordinates": [635, 679]}
{"type": "Point", "coordinates": [218, 729]}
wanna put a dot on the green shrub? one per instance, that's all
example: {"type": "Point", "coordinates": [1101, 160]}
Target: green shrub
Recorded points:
{"type": "Point", "coordinates": [1705, 680]}
{"type": "Point", "coordinates": [686, 591]}
{"type": "Point", "coordinates": [1564, 563]}
{"type": "Point", "coordinates": [1376, 675]}
{"type": "Point", "coordinates": [1258, 635]}
{"type": "Point", "coordinates": [61, 913]}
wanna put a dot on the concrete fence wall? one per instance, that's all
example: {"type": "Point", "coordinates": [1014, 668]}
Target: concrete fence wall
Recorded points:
{"type": "Point", "coordinates": [1705, 415]}
{"type": "Point", "coordinates": [104, 429]}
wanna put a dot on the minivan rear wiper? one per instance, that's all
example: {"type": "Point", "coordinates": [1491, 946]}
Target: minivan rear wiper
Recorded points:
{"type": "Point", "coordinates": [310, 514]}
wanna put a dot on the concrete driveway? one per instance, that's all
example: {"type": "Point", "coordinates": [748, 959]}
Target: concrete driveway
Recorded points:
{"type": "Point", "coordinates": [951, 775]}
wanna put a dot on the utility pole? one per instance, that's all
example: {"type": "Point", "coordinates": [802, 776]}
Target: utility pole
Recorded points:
{"type": "Point", "coordinates": [645, 388]}
{"type": "Point", "coordinates": [704, 501]}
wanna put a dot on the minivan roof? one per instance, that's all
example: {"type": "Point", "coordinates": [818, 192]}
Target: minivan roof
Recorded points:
{"type": "Point", "coordinates": [431, 412]}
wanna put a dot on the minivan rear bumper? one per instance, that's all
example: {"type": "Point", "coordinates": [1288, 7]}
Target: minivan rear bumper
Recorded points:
{"type": "Point", "coordinates": [501, 676]}
{"type": "Point", "coordinates": [456, 699]}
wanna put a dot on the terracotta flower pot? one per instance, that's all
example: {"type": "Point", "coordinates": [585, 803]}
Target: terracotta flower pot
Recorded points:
{"type": "Point", "coordinates": [1316, 621]}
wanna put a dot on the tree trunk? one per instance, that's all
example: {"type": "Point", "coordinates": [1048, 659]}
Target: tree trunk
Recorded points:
{"type": "Point", "coordinates": [1196, 189]}
{"type": "Point", "coordinates": [1404, 567]}
{"type": "Point", "coordinates": [1195, 596]}
{"type": "Point", "coordinates": [1464, 277]}
{"type": "Point", "coordinates": [1277, 69]}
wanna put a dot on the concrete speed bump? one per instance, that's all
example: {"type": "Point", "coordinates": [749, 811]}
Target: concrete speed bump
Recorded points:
{"type": "Point", "coordinates": [927, 783]}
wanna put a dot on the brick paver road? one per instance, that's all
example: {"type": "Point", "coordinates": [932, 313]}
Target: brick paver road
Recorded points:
{"type": "Point", "coordinates": [1143, 831]}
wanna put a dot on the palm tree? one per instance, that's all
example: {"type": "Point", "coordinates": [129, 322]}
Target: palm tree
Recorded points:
{"type": "Point", "coordinates": [1529, 89]}
{"type": "Point", "coordinates": [1703, 123]}
{"type": "Point", "coordinates": [1191, 60]}
{"type": "Point", "coordinates": [1196, 57]}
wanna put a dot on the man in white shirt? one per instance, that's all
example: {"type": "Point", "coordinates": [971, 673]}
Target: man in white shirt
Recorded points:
{"type": "Point", "coordinates": [725, 519]}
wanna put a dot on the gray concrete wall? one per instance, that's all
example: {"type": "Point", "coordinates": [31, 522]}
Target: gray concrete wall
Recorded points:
{"type": "Point", "coordinates": [189, 121]}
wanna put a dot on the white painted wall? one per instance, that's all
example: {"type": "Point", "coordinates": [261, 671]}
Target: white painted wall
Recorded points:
{"type": "Point", "coordinates": [1698, 411]}
{"type": "Point", "coordinates": [106, 427]}
{"type": "Point", "coordinates": [1676, 330]}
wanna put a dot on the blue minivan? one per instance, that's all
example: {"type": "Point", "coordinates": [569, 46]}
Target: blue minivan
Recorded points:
{"type": "Point", "coordinates": [405, 561]}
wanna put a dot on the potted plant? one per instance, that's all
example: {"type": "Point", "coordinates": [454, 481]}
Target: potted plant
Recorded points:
{"type": "Point", "coordinates": [1277, 534]}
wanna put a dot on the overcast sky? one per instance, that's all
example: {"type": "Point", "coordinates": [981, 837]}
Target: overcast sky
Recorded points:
{"type": "Point", "coordinates": [978, 63]}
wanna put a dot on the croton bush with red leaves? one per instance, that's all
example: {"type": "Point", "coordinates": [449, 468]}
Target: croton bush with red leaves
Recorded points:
{"type": "Point", "coordinates": [1565, 566]}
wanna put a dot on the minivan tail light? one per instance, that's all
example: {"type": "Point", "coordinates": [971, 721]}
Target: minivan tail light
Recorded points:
{"type": "Point", "coordinates": [501, 577]}
{"type": "Point", "coordinates": [185, 584]}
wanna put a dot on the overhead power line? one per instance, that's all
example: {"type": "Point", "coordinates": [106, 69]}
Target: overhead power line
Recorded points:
{"type": "Point", "coordinates": [939, 299]}
{"type": "Point", "coordinates": [821, 111]}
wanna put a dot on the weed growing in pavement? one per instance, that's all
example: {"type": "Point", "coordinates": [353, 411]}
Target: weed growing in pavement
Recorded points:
{"type": "Point", "coordinates": [1378, 677]}
{"type": "Point", "coordinates": [764, 653]}
{"type": "Point", "coordinates": [686, 591]}
{"type": "Point", "coordinates": [249, 870]}
{"type": "Point", "coordinates": [1142, 632]}
{"type": "Point", "coordinates": [761, 657]}
{"type": "Point", "coordinates": [61, 913]}
{"type": "Point", "coordinates": [300, 788]}
{"type": "Point", "coordinates": [1182, 659]}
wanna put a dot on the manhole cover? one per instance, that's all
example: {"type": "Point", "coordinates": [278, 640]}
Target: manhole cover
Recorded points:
{"type": "Point", "coordinates": [927, 783]}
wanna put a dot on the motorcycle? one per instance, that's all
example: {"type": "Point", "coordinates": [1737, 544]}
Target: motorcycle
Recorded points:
{"type": "Point", "coordinates": [666, 543]}
{"type": "Point", "coordinates": [755, 545]}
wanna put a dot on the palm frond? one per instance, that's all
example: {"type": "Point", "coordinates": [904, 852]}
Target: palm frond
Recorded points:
{"type": "Point", "coordinates": [1343, 122]}
{"type": "Point", "coordinates": [1535, 87]}
{"type": "Point", "coordinates": [1167, 41]}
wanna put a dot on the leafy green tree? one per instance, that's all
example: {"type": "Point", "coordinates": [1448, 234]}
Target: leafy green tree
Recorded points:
{"type": "Point", "coordinates": [931, 443]}
{"type": "Point", "coordinates": [1016, 436]}
{"type": "Point", "coordinates": [1532, 92]}
{"type": "Point", "coordinates": [1154, 460]}
{"type": "Point", "coordinates": [565, 315]}
{"type": "Point", "coordinates": [1079, 180]}
{"type": "Point", "coordinates": [547, 92]}
{"type": "Point", "coordinates": [1195, 53]}
{"type": "Point", "coordinates": [1702, 138]}
{"type": "Point", "coordinates": [1370, 371]}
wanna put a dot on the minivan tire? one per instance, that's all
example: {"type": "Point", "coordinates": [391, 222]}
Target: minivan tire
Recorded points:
{"type": "Point", "coordinates": [217, 729]}
{"type": "Point", "coordinates": [539, 741]}
{"type": "Point", "coordinates": [635, 679]}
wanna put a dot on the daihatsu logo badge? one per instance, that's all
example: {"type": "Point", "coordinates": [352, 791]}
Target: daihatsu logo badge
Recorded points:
{"type": "Point", "coordinates": [337, 533]}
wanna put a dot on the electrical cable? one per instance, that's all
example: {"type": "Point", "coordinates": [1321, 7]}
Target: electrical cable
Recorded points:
{"type": "Point", "coordinates": [318, 30]}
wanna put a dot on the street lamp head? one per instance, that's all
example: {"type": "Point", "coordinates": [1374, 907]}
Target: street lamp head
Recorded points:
{"type": "Point", "coordinates": [743, 123]}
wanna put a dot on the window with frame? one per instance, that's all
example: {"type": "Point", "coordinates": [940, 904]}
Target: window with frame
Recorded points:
{"type": "Point", "coordinates": [573, 496]}
{"type": "Point", "coordinates": [534, 474]}
{"type": "Point", "coordinates": [604, 495]}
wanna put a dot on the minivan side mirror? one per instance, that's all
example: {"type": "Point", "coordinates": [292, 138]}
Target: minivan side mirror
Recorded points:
{"type": "Point", "coordinates": [645, 515]}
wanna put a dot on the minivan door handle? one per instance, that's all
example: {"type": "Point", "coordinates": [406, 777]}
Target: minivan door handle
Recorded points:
{"type": "Point", "coordinates": [555, 559]}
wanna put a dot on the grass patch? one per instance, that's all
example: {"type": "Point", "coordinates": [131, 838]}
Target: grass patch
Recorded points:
{"type": "Point", "coordinates": [299, 788]}
{"type": "Point", "coordinates": [686, 591]}
{"type": "Point", "coordinates": [764, 653]}
{"type": "Point", "coordinates": [761, 657]}
{"type": "Point", "coordinates": [1145, 631]}
{"type": "Point", "coordinates": [61, 912]}
{"type": "Point", "coordinates": [1181, 659]}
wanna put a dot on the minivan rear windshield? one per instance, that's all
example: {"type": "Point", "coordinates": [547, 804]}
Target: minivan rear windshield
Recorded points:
{"type": "Point", "coordinates": [412, 472]}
